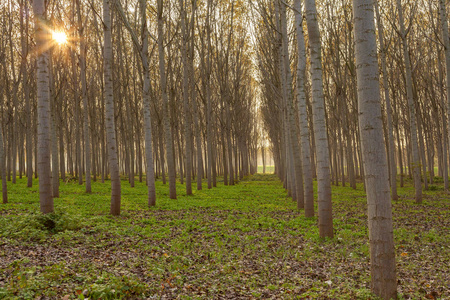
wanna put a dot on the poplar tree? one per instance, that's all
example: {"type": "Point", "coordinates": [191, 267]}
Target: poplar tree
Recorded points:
{"type": "Point", "coordinates": [381, 237]}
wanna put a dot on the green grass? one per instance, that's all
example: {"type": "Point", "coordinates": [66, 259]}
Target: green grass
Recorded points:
{"type": "Point", "coordinates": [243, 241]}
{"type": "Point", "coordinates": [269, 169]}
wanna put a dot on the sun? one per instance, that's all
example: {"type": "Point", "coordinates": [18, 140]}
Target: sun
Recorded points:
{"type": "Point", "coordinates": [59, 37]}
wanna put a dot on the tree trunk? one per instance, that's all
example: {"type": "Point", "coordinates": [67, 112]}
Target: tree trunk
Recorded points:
{"type": "Point", "coordinates": [87, 140]}
{"type": "Point", "coordinates": [207, 93]}
{"type": "Point", "coordinates": [229, 144]}
{"type": "Point", "coordinates": [415, 163]}
{"type": "Point", "coordinates": [293, 136]}
{"type": "Point", "coordinates": [320, 130]}
{"type": "Point", "coordinates": [109, 111]}
{"type": "Point", "coordinates": [150, 170]}
{"type": "Point", "coordinates": [187, 119]}
{"type": "Point", "coordinates": [62, 165]}
{"type": "Point", "coordinates": [26, 95]}
{"type": "Point", "coordinates": [143, 48]}
{"type": "Point", "coordinates": [42, 39]}
{"type": "Point", "coordinates": [2, 169]}
{"type": "Point", "coordinates": [166, 116]}
{"type": "Point", "coordinates": [391, 154]}
{"type": "Point", "coordinates": [445, 38]}
{"type": "Point", "coordinates": [381, 237]}
{"type": "Point", "coordinates": [54, 137]}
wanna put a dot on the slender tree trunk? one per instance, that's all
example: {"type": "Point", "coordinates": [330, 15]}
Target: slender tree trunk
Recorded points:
{"type": "Point", "coordinates": [2, 169]}
{"type": "Point", "coordinates": [187, 119]}
{"type": "Point", "coordinates": [54, 137]}
{"type": "Point", "coordinates": [62, 164]}
{"type": "Point", "coordinates": [198, 134]}
{"type": "Point", "coordinates": [381, 237]}
{"type": "Point", "coordinates": [166, 115]}
{"type": "Point", "coordinates": [12, 100]}
{"type": "Point", "coordinates": [207, 94]}
{"type": "Point", "coordinates": [150, 170]}
{"type": "Point", "coordinates": [341, 156]}
{"type": "Point", "coordinates": [263, 157]}
{"type": "Point", "coordinates": [162, 155]}
{"type": "Point", "coordinates": [109, 111]}
{"type": "Point", "coordinates": [422, 152]}
{"type": "Point", "coordinates": [236, 159]}
{"type": "Point", "coordinates": [78, 162]}
{"type": "Point", "coordinates": [445, 38]}
{"type": "Point", "coordinates": [78, 167]}
{"type": "Point", "coordinates": [229, 144]}
{"type": "Point", "coordinates": [26, 95]}
{"type": "Point", "coordinates": [35, 155]}
{"type": "Point", "coordinates": [443, 170]}
{"type": "Point", "coordinates": [320, 129]}
{"type": "Point", "coordinates": [87, 139]}
{"type": "Point", "coordinates": [139, 159]}
{"type": "Point", "coordinates": [415, 164]}
{"type": "Point", "coordinates": [334, 158]}
{"type": "Point", "coordinates": [296, 151]}
{"type": "Point", "coordinates": [214, 156]}
{"type": "Point", "coordinates": [55, 162]}
{"type": "Point", "coordinates": [179, 142]}
{"type": "Point", "coordinates": [224, 158]}
{"type": "Point", "coordinates": [391, 154]}
{"type": "Point", "coordinates": [43, 108]}
{"type": "Point", "coordinates": [150, 167]}
{"type": "Point", "coordinates": [400, 156]}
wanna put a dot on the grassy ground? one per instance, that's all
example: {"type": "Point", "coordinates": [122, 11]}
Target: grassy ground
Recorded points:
{"type": "Point", "coordinates": [269, 169]}
{"type": "Point", "coordinates": [241, 242]}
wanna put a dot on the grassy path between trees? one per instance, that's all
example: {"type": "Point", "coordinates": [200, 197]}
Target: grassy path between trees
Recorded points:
{"type": "Point", "coordinates": [241, 242]}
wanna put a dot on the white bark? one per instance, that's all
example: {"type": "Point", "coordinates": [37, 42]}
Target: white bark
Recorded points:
{"type": "Point", "coordinates": [109, 111]}
{"type": "Point", "coordinates": [302, 112]}
{"type": "Point", "coordinates": [391, 154]}
{"type": "Point", "coordinates": [165, 98]}
{"type": "Point", "coordinates": [207, 87]}
{"type": "Point", "coordinates": [26, 94]}
{"type": "Point", "coordinates": [150, 171]}
{"type": "Point", "coordinates": [320, 129]}
{"type": "Point", "coordinates": [87, 139]}
{"type": "Point", "coordinates": [292, 127]}
{"type": "Point", "coordinates": [143, 53]}
{"type": "Point", "coordinates": [382, 252]}
{"type": "Point", "coordinates": [2, 169]}
{"type": "Point", "coordinates": [445, 38]}
{"type": "Point", "coordinates": [42, 38]}
{"type": "Point", "coordinates": [187, 119]}
{"type": "Point", "coordinates": [415, 163]}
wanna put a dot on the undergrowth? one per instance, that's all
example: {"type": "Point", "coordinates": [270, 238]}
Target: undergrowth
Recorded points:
{"type": "Point", "coordinates": [246, 241]}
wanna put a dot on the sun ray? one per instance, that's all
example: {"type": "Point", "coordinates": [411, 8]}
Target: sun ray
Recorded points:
{"type": "Point", "coordinates": [59, 37]}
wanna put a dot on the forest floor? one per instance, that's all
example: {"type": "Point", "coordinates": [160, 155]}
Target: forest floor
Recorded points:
{"type": "Point", "coordinates": [232, 242]}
